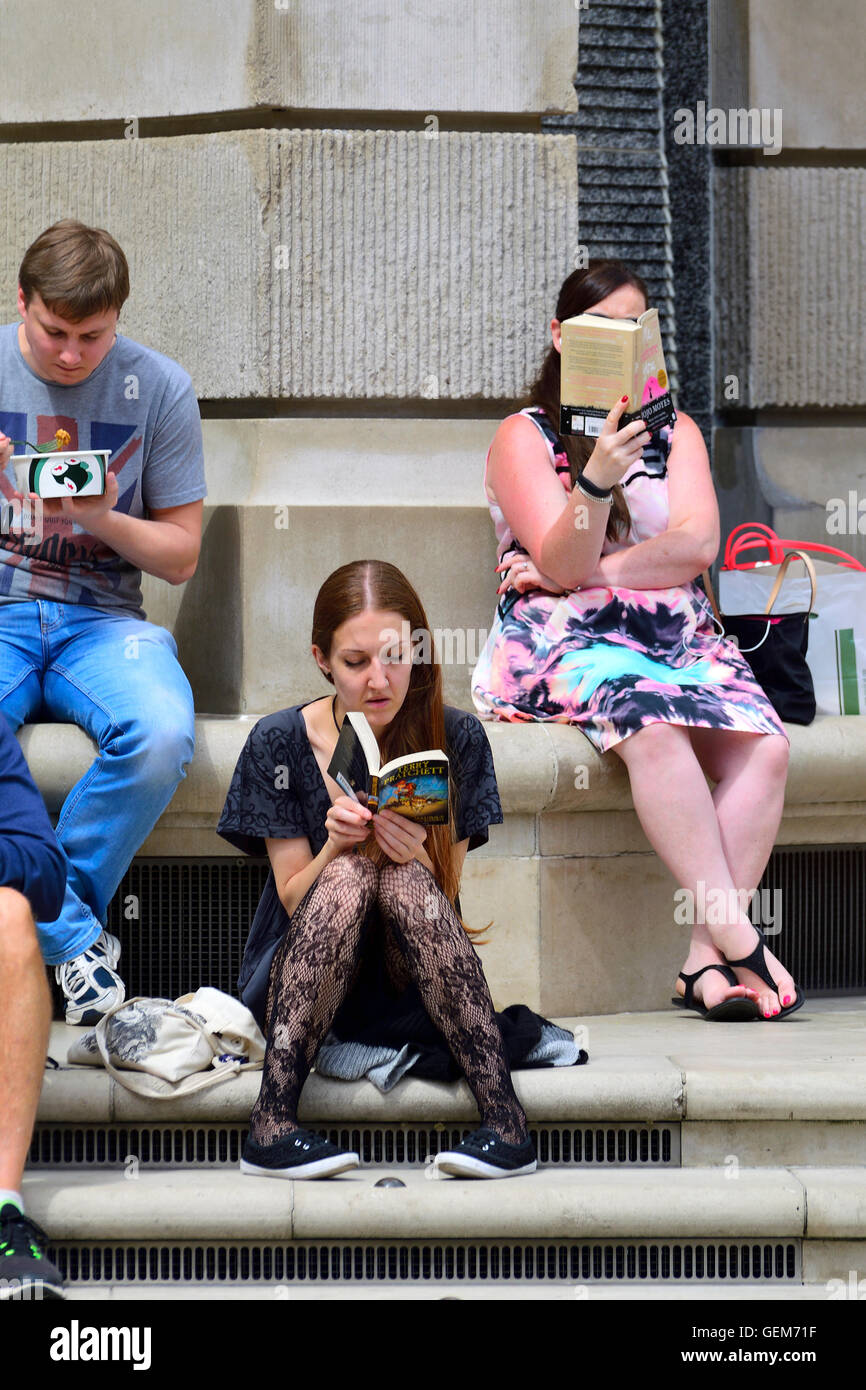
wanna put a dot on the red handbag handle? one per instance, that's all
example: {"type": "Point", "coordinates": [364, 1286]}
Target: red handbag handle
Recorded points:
{"type": "Point", "coordinates": [753, 535]}
{"type": "Point", "coordinates": [846, 561]}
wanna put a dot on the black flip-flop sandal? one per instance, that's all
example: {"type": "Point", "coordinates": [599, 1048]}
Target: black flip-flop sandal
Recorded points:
{"type": "Point", "coordinates": [740, 1010]}
{"type": "Point", "coordinates": [757, 963]}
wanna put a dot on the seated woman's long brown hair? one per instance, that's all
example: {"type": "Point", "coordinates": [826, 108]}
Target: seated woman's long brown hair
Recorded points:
{"type": "Point", "coordinates": [420, 722]}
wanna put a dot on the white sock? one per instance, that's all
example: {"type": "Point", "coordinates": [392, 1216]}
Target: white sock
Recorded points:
{"type": "Point", "coordinates": [7, 1195]}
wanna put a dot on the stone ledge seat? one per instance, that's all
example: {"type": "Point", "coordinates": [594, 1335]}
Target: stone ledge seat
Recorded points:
{"type": "Point", "coordinates": [771, 1203]}
{"type": "Point", "coordinates": [535, 768]}
{"type": "Point", "coordinates": [657, 1068]}
{"type": "Point", "coordinates": [583, 909]}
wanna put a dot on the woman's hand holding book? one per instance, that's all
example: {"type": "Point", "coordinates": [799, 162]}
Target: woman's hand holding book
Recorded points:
{"type": "Point", "coordinates": [347, 823]}
{"type": "Point", "coordinates": [398, 837]}
{"type": "Point", "coordinates": [616, 449]}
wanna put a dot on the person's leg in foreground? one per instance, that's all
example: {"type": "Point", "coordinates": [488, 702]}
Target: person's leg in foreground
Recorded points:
{"type": "Point", "coordinates": [25, 1019]}
{"type": "Point", "coordinates": [118, 679]}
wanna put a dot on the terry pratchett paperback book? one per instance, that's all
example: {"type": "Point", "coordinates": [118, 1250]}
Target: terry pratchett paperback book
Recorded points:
{"type": "Point", "coordinates": [416, 786]}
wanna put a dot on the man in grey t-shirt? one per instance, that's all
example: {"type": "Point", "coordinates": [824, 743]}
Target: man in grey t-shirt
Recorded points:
{"type": "Point", "coordinates": [74, 643]}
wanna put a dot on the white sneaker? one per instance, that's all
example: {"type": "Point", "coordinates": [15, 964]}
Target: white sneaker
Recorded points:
{"type": "Point", "coordinates": [90, 982]}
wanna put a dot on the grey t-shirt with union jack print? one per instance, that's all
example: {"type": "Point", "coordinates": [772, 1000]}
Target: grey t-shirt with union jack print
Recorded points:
{"type": "Point", "coordinates": [141, 406]}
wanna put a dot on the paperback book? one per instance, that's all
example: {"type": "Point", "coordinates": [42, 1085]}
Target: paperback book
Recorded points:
{"type": "Point", "coordinates": [604, 359]}
{"type": "Point", "coordinates": [415, 786]}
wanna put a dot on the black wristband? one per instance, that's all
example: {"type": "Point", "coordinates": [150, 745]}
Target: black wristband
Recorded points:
{"type": "Point", "coordinates": [593, 489]}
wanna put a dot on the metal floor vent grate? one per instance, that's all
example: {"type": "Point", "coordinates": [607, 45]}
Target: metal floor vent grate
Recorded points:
{"type": "Point", "coordinates": [395, 1262]}
{"type": "Point", "coordinates": [818, 899]}
{"type": "Point", "coordinates": [183, 923]}
{"type": "Point", "coordinates": [215, 1146]}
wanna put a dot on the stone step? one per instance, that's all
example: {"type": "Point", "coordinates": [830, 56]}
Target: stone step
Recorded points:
{"type": "Point", "coordinates": [794, 1225]}
{"type": "Point", "coordinates": [673, 1106]}
{"type": "Point", "coordinates": [769, 1203]}
{"type": "Point", "coordinates": [521, 1291]}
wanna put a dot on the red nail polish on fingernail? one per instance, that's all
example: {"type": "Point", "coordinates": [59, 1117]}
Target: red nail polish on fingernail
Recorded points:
{"type": "Point", "coordinates": [624, 400]}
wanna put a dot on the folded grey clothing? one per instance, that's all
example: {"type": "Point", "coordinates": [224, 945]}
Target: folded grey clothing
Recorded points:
{"type": "Point", "coordinates": [385, 1066]}
{"type": "Point", "coordinates": [349, 1061]}
{"type": "Point", "coordinates": [387, 1074]}
{"type": "Point", "coordinates": [556, 1048]}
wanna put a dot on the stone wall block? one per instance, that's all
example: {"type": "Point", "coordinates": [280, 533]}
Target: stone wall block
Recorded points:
{"type": "Point", "coordinates": [321, 264]}
{"type": "Point", "coordinates": [608, 939]}
{"type": "Point", "coordinates": [242, 623]}
{"type": "Point", "coordinates": [820, 99]}
{"type": "Point", "coordinates": [418, 267]}
{"type": "Point", "coordinates": [315, 55]}
{"type": "Point", "coordinates": [188, 212]}
{"type": "Point", "coordinates": [791, 256]}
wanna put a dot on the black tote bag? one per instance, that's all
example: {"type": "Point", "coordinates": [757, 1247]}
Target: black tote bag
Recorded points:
{"type": "Point", "coordinates": [775, 647]}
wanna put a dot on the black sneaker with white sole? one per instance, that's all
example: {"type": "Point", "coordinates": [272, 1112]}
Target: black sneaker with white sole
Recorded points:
{"type": "Point", "coordinates": [26, 1273]}
{"type": "Point", "coordinates": [484, 1155]}
{"type": "Point", "coordinates": [297, 1155]}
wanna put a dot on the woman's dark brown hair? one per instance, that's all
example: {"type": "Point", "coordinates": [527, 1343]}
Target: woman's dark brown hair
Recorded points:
{"type": "Point", "coordinates": [581, 290]}
{"type": "Point", "coordinates": [419, 723]}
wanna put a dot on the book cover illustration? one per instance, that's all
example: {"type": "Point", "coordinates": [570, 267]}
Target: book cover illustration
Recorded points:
{"type": "Point", "coordinates": [415, 786]}
{"type": "Point", "coordinates": [604, 359]}
{"type": "Point", "coordinates": [418, 788]}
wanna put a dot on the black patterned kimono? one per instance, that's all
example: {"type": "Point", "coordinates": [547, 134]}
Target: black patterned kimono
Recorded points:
{"type": "Point", "coordinates": [277, 792]}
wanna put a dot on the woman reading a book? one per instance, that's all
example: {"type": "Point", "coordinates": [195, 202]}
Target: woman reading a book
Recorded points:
{"type": "Point", "coordinates": [601, 625]}
{"type": "Point", "coordinates": [357, 928]}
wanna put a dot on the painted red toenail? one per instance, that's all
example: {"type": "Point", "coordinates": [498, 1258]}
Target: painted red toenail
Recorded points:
{"type": "Point", "coordinates": [787, 999]}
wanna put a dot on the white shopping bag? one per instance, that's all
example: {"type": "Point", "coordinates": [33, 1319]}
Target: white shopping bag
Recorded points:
{"type": "Point", "coordinates": [837, 633]}
{"type": "Point", "coordinates": [163, 1048]}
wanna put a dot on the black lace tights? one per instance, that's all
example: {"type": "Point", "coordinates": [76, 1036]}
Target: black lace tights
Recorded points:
{"type": "Point", "coordinates": [315, 966]}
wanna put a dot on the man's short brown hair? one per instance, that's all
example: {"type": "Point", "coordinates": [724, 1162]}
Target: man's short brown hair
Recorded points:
{"type": "Point", "coordinates": [78, 271]}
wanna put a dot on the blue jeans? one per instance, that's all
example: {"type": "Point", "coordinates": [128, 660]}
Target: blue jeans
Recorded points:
{"type": "Point", "coordinates": [118, 678]}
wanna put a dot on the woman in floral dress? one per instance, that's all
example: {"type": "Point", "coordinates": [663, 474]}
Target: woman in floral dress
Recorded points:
{"type": "Point", "coordinates": [602, 625]}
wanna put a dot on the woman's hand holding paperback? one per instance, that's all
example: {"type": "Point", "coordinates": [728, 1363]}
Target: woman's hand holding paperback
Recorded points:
{"type": "Point", "coordinates": [347, 823]}
{"type": "Point", "coordinates": [397, 836]}
{"type": "Point", "coordinates": [616, 449]}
